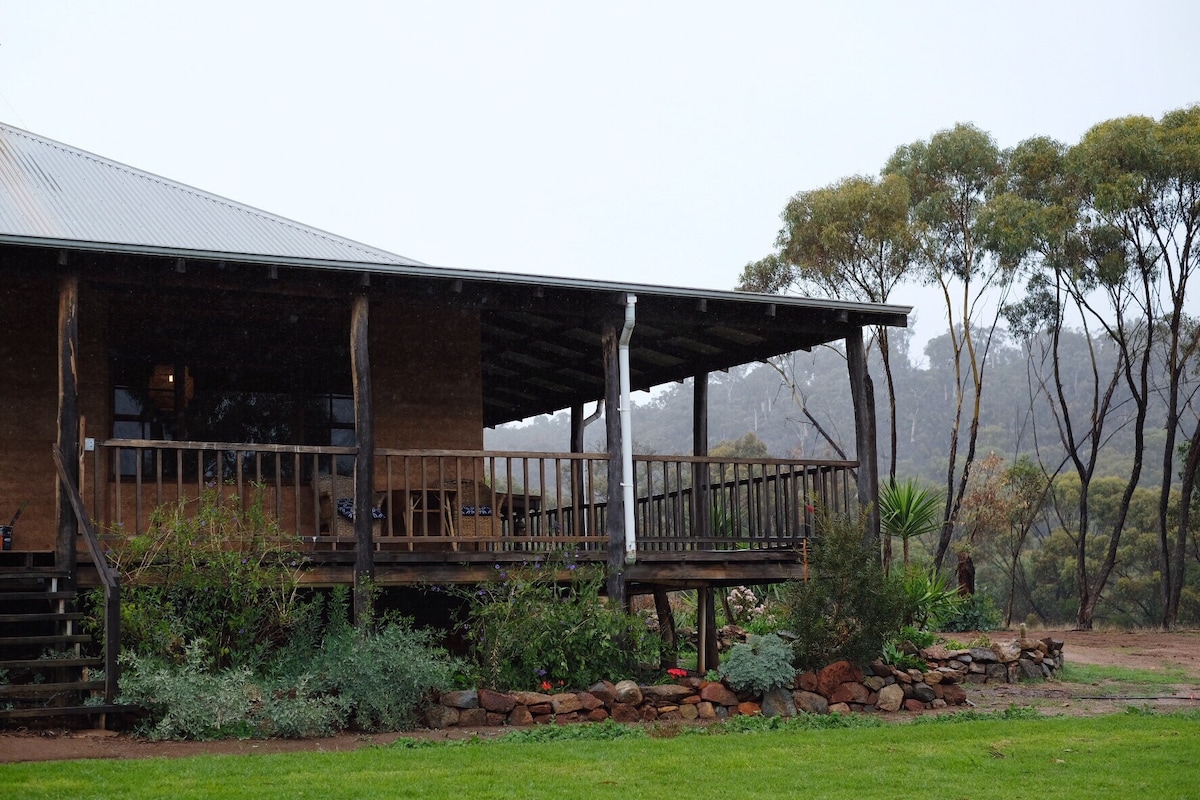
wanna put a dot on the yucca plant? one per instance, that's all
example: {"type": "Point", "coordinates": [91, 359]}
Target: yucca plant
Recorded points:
{"type": "Point", "coordinates": [907, 509]}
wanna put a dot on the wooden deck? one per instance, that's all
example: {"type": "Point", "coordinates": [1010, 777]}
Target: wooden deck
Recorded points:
{"type": "Point", "coordinates": [451, 516]}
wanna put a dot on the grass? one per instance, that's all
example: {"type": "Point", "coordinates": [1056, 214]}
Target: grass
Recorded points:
{"type": "Point", "coordinates": [1100, 757]}
{"type": "Point", "coordinates": [1119, 681]}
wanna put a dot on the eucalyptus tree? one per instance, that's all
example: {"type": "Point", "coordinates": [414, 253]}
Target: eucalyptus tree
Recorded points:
{"type": "Point", "coordinates": [849, 240]}
{"type": "Point", "coordinates": [1142, 179]}
{"type": "Point", "coordinates": [951, 179]}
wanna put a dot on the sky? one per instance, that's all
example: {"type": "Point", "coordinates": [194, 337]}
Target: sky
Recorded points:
{"type": "Point", "coordinates": [649, 142]}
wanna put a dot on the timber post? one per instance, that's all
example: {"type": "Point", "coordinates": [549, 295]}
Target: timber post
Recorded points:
{"type": "Point", "coordinates": [615, 521]}
{"type": "Point", "coordinates": [364, 460]}
{"type": "Point", "coordinates": [863, 395]}
{"type": "Point", "coordinates": [68, 420]}
{"type": "Point", "coordinates": [709, 654]}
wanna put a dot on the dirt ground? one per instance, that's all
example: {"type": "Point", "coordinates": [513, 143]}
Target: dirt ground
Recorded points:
{"type": "Point", "coordinates": [1177, 652]}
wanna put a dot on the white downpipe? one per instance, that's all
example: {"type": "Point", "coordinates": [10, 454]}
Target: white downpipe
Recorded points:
{"type": "Point", "coordinates": [627, 430]}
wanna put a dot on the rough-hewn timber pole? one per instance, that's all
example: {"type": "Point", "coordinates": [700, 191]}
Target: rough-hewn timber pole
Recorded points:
{"type": "Point", "coordinates": [702, 514]}
{"type": "Point", "coordinates": [610, 340]}
{"type": "Point", "coordinates": [68, 418]}
{"type": "Point", "coordinates": [578, 491]}
{"type": "Point", "coordinates": [863, 394]}
{"type": "Point", "coordinates": [364, 461]}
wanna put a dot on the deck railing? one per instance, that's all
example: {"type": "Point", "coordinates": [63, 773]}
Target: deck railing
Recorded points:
{"type": "Point", "coordinates": [478, 501]}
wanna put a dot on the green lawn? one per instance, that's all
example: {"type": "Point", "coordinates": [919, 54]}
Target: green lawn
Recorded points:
{"type": "Point", "coordinates": [1115, 756]}
{"type": "Point", "coordinates": [1124, 681]}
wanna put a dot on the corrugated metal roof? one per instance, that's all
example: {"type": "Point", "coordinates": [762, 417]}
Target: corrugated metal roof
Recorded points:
{"type": "Point", "coordinates": [56, 192]}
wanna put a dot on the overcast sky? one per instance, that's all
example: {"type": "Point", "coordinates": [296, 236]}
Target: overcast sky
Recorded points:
{"type": "Point", "coordinates": [653, 142]}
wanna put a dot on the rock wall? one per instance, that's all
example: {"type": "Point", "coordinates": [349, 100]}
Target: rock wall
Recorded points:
{"type": "Point", "coordinates": [840, 687]}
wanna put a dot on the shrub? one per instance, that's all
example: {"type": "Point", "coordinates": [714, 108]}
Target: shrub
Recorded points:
{"type": "Point", "coordinates": [208, 570]}
{"type": "Point", "coordinates": [761, 664]}
{"type": "Point", "coordinates": [848, 608]}
{"type": "Point", "coordinates": [928, 600]}
{"type": "Point", "coordinates": [374, 680]}
{"type": "Point", "coordinates": [976, 612]}
{"type": "Point", "coordinates": [547, 626]}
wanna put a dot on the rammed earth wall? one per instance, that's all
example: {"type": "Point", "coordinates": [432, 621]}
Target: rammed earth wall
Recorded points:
{"type": "Point", "coordinates": [838, 688]}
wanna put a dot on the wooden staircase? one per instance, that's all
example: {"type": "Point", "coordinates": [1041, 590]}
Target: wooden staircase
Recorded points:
{"type": "Point", "coordinates": [47, 670]}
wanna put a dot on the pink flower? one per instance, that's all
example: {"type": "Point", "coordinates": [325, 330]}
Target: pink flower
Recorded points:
{"type": "Point", "coordinates": [676, 672]}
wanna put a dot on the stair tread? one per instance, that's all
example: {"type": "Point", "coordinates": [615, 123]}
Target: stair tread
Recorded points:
{"type": "Point", "coordinates": [43, 616]}
{"type": "Point", "coordinates": [58, 638]}
{"type": "Point", "coordinates": [41, 663]}
{"type": "Point", "coordinates": [29, 689]}
{"type": "Point", "coordinates": [63, 711]}
{"type": "Point", "coordinates": [36, 595]}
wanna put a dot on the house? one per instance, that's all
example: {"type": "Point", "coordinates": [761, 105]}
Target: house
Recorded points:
{"type": "Point", "coordinates": [156, 339]}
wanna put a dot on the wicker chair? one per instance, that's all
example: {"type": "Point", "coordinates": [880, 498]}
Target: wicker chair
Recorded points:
{"type": "Point", "coordinates": [331, 489]}
{"type": "Point", "coordinates": [475, 513]}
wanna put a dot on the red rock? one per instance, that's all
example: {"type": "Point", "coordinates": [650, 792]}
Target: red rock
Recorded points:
{"type": "Point", "coordinates": [597, 715]}
{"type": "Point", "coordinates": [496, 702]}
{"type": "Point", "coordinates": [605, 691]}
{"type": "Point", "coordinates": [953, 694]}
{"type": "Point", "coordinates": [835, 674]}
{"type": "Point", "coordinates": [539, 709]}
{"type": "Point", "coordinates": [807, 681]}
{"type": "Point", "coordinates": [543, 719]}
{"type": "Point", "coordinates": [520, 717]}
{"type": "Point", "coordinates": [622, 712]}
{"type": "Point", "coordinates": [749, 709]}
{"type": "Point", "coordinates": [839, 708]}
{"type": "Point", "coordinates": [690, 700]}
{"type": "Point", "coordinates": [589, 701]}
{"type": "Point", "coordinates": [670, 716]}
{"type": "Point", "coordinates": [494, 718]}
{"type": "Point", "coordinates": [472, 717]}
{"type": "Point", "coordinates": [566, 719]}
{"type": "Point", "coordinates": [530, 698]}
{"type": "Point", "coordinates": [719, 694]}
{"type": "Point", "coordinates": [850, 693]}
{"type": "Point", "coordinates": [649, 713]}
{"type": "Point", "coordinates": [565, 703]}
{"type": "Point", "coordinates": [914, 705]}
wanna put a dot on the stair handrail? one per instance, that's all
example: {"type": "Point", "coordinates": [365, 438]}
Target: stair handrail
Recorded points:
{"type": "Point", "coordinates": [108, 578]}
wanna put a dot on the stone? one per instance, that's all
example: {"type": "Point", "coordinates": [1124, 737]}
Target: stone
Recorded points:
{"type": "Point", "coordinates": [874, 682]}
{"type": "Point", "coordinates": [496, 701]}
{"type": "Point", "coordinates": [464, 698]}
{"type": "Point", "coordinates": [880, 669]}
{"type": "Point", "coordinates": [938, 703]}
{"type": "Point", "coordinates": [722, 712]}
{"type": "Point", "coordinates": [665, 693]}
{"type": "Point", "coordinates": [983, 654]}
{"type": "Point", "coordinates": [565, 703]}
{"type": "Point", "coordinates": [810, 702]}
{"type": "Point", "coordinates": [440, 716]}
{"type": "Point", "coordinates": [1029, 669]}
{"type": "Point", "coordinates": [690, 700]}
{"type": "Point", "coordinates": [688, 713]}
{"type": "Point", "coordinates": [666, 709]}
{"type": "Point", "coordinates": [472, 717]}
{"type": "Point", "coordinates": [648, 713]}
{"type": "Point", "coordinates": [623, 712]}
{"type": "Point", "coordinates": [932, 677]}
{"type": "Point", "coordinates": [538, 709]}
{"type": "Point", "coordinates": [494, 719]}
{"type": "Point", "coordinates": [890, 698]}
{"type": "Point", "coordinates": [597, 714]}
{"type": "Point", "coordinates": [520, 717]}
{"type": "Point", "coordinates": [670, 716]}
{"type": "Point", "coordinates": [902, 677]}
{"type": "Point", "coordinates": [850, 693]}
{"type": "Point", "coordinates": [976, 677]}
{"type": "Point", "coordinates": [1006, 651]}
{"type": "Point", "coordinates": [835, 674]}
{"type": "Point", "coordinates": [936, 652]}
{"type": "Point", "coordinates": [1035, 656]}
{"type": "Point", "coordinates": [589, 701]}
{"type": "Point", "coordinates": [566, 719]}
{"type": "Point", "coordinates": [705, 710]}
{"type": "Point", "coordinates": [914, 705]}
{"type": "Point", "coordinates": [953, 694]}
{"type": "Point", "coordinates": [628, 692]}
{"type": "Point", "coordinates": [996, 672]}
{"type": "Point", "coordinates": [976, 668]}
{"type": "Point", "coordinates": [749, 709]}
{"type": "Point", "coordinates": [923, 692]}
{"type": "Point", "coordinates": [718, 693]}
{"type": "Point", "coordinates": [543, 719]}
{"type": "Point", "coordinates": [779, 703]}
{"type": "Point", "coordinates": [807, 681]}
{"type": "Point", "coordinates": [606, 691]}
{"type": "Point", "coordinates": [530, 698]}
{"type": "Point", "coordinates": [839, 708]}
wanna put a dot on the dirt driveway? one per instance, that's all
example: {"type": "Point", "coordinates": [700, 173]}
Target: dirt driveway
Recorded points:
{"type": "Point", "coordinates": [1176, 654]}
